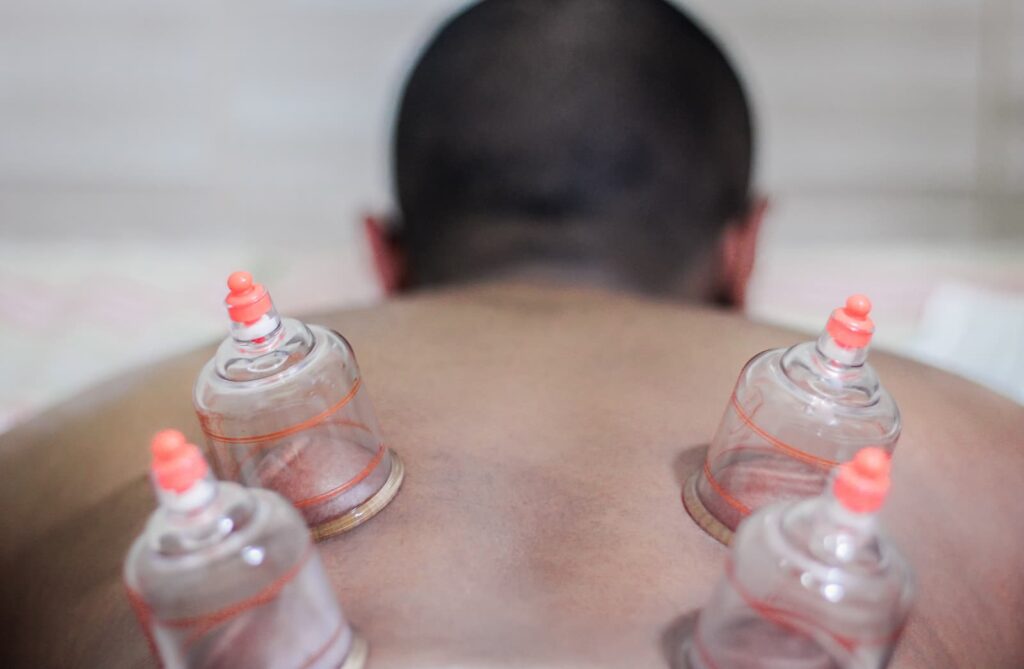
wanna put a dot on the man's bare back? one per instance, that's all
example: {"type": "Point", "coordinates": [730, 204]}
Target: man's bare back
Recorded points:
{"type": "Point", "coordinates": [546, 433]}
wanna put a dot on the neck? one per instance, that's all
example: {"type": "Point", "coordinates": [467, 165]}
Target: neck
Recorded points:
{"type": "Point", "coordinates": [564, 251]}
{"type": "Point", "coordinates": [192, 500]}
{"type": "Point", "coordinates": [259, 336]}
{"type": "Point", "coordinates": [835, 355]}
{"type": "Point", "coordinates": [199, 517]}
{"type": "Point", "coordinates": [691, 288]}
{"type": "Point", "coordinates": [841, 535]}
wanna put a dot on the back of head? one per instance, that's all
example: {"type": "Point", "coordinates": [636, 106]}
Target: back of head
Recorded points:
{"type": "Point", "coordinates": [605, 136]}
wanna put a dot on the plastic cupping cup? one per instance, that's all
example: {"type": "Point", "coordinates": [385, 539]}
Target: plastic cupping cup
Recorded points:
{"type": "Point", "coordinates": [793, 416]}
{"type": "Point", "coordinates": [227, 576]}
{"type": "Point", "coordinates": [810, 584]}
{"type": "Point", "coordinates": [283, 406]}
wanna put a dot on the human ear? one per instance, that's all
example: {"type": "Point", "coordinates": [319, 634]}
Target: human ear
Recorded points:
{"type": "Point", "coordinates": [738, 251]}
{"type": "Point", "coordinates": [387, 255]}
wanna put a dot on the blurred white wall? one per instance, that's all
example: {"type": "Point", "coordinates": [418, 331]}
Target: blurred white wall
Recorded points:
{"type": "Point", "coordinates": [147, 148]}
{"type": "Point", "coordinates": [893, 147]}
{"type": "Point", "coordinates": [159, 118]}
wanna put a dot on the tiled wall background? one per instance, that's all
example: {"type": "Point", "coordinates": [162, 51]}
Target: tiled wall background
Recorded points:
{"type": "Point", "coordinates": [146, 148]}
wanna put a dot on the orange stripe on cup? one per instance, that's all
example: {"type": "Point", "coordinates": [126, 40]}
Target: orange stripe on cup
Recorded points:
{"type": "Point", "coordinates": [726, 497]}
{"type": "Point", "coordinates": [334, 492]}
{"type": "Point", "coordinates": [201, 624]}
{"type": "Point", "coordinates": [824, 463]}
{"type": "Point", "coordinates": [786, 618]}
{"type": "Point", "coordinates": [205, 421]}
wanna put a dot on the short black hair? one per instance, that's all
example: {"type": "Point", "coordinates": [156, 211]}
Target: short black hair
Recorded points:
{"type": "Point", "coordinates": [602, 131]}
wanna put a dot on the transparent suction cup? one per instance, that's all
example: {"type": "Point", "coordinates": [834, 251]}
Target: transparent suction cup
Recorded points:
{"type": "Point", "coordinates": [284, 407]}
{"type": "Point", "coordinates": [794, 415]}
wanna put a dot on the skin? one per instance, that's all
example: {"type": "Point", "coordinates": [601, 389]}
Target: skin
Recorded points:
{"type": "Point", "coordinates": [546, 434]}
{"type": "Point", "coordinates": [721, 276]}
